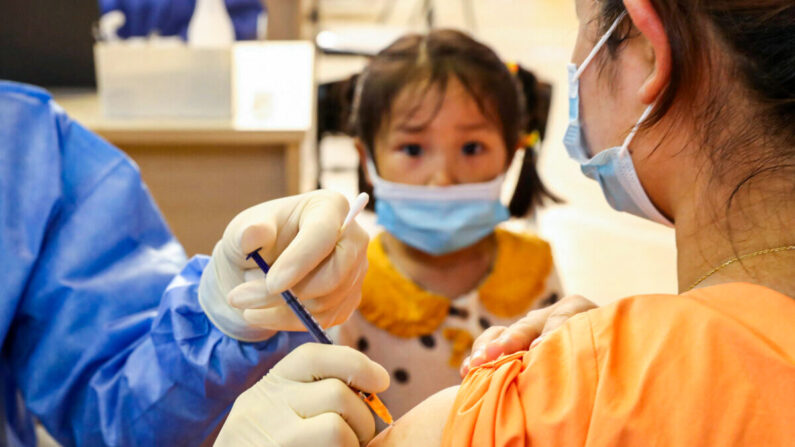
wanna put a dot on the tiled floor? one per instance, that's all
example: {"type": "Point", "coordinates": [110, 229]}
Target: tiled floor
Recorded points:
{"type": "Point", "coordinates": [600, 253]}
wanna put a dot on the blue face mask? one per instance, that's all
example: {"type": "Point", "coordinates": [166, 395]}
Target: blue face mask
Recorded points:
{"type": "Point", "coordinates": [438, 219]}
{"type": "Point", "coordinates": [612, 168]}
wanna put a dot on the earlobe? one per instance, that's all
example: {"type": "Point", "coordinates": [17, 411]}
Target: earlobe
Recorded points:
{"type": "Point", "coordinates": [648, 22]}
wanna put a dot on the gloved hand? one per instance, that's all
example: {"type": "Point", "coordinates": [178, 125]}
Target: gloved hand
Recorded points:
{"type": "Point", "coordinates": [305, 401]}
{"type": "Point", "coordinates": [300, 240]}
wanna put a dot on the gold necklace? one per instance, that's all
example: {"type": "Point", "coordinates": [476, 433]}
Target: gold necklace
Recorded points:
{"type": "Point", "coordinates": [740, 258]}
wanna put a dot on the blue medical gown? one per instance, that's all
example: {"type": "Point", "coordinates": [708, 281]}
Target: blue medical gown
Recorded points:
{"type": "Point", "coordinates": [171, 17]}
{"type": "Point", "coordinates": [103, 339]}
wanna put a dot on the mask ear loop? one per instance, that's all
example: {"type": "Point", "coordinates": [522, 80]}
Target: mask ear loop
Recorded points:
{"type": "Point", "coordinates": [599, 45]}
{"type": "Point", "coordinates": [634, 130]}
{"type": "Point", "coordinates": [512, 173]}
{"type": "Point", "coordinates": [371, 170]}
{"type": "Point", "coordinates": [642, 200]}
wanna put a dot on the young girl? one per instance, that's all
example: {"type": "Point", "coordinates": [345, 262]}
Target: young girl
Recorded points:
{"type": "Point", "coordinates": [437, 120]}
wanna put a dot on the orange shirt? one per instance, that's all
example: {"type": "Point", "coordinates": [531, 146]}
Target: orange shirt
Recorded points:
{"type": "Point", "coordinates": [711, 367]}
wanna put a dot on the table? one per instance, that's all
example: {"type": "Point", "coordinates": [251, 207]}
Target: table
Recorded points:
{"type": "Point", "coordinates": [202, 172]}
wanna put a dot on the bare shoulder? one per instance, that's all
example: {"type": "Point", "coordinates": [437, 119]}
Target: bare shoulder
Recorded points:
{"type": "Point", "coordinates": [422, 426]}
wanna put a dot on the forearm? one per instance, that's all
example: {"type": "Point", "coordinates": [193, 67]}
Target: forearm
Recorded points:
{"type": "Point", "coordinates": [164, 378]}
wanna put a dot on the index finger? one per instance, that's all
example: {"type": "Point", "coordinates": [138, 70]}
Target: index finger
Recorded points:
{"type": "Point", "coordinates": [312, 361]}
{"type": "Point", "coordinates": [519, 335]}
{"type": "Point", "coordinates": [318, 230]}
{"type": "Point", "coordinates": [565, 309]}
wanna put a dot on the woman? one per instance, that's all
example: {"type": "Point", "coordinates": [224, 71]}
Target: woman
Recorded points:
{"type": "Point", "coordinates": [710, 89]}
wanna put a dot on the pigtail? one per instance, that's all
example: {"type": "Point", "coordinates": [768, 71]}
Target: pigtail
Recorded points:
{"type": "Point", "coordinates": [530, 190]}
{"type": "Point", "coordinates": [336, 114]}
{"type": "Point", "coordinates": [335, 107]}
{"type": "Point", "coordinates": [538, 101]}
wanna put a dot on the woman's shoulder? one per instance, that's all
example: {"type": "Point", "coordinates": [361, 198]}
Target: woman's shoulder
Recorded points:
{"type": "Point", "coordinates": [744, 310]}
{"type": "Point", "coordinates": [701, 368]}
{"type": "Point", "coordinates": [744, 303]}
{"type": "Point", "coordinates": [714, 355]}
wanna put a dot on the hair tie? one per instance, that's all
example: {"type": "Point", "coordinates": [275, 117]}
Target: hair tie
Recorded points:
{"type": "Point", "coordinates": [513, 67]}
{"type": "Point", "coordinates": [531, 139]}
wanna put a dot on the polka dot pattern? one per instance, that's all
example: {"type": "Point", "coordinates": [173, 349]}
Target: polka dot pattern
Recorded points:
{"type": "Point", "coordinates": [459, 312]}
{"type": "Point", "coordinates": [484, 323]}
{"type": "Point", "coordinates": [401, 375]}
{"type": "Point", "coordinates": [428, 341]}
{"type": "Point", "coordinates": [550, 300]}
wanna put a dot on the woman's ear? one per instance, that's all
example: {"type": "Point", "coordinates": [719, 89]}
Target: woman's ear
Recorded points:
{"type": "Point", "coordinates": [363, 160]}
{"type": "Point", "coordinates": [648, 22]}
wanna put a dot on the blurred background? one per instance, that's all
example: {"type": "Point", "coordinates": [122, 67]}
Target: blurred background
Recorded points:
{"type": "Point", "coordinates": [246, 110]}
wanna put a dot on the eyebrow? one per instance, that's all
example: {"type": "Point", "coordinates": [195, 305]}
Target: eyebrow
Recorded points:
{"type": "Point", "coordinates": [408, 128]}
{"type": "Point", "coordinates": [474, 126]}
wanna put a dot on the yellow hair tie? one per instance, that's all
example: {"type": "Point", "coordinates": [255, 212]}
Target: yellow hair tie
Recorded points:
{"type": "Point", "coordinates": [531, 139]}
{"type": "Point", "coordinates": [513, 67]}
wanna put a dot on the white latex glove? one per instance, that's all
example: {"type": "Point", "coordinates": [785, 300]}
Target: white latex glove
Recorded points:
{"type": "Point", "coordinates": [305, 401]}
{"type": "Point", "coordinates": [301, 241]}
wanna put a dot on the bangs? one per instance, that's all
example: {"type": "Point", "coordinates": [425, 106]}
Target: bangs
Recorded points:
{"type": "Point", "coordinates": [419, 65]}
{"type": "Point", "coordinates": [419, 92]}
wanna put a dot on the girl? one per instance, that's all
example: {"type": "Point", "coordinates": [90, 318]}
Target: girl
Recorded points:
{"type": "Point", "coordinates": [437, 120]}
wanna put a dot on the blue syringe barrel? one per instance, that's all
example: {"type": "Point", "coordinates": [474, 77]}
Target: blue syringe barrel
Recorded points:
{"type": "Point", "coordinates": [306, 318]}
{"type": "Point", "coordinates": [320, 336]}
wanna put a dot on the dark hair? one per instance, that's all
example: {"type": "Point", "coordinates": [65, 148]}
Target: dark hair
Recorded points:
{"type": "Point", "coordinates": [751, 41]}
{"type": "Point", "coordinates": [432, 60]}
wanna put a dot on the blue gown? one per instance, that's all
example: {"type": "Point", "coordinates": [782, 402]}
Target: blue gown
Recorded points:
{"type": "Point", "coordinates": [103, 339]}
{"type": "Point", "coordinates": [171, 17]}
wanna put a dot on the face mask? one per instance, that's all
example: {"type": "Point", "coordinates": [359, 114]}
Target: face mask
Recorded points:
{"type": "Point", "coordinates": [438, 219]}
{"type": "Point", "coordinates": [612, 168]}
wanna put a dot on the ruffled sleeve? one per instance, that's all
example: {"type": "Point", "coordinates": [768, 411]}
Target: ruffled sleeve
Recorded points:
{"type": "Point", "coordinates": [539, 397]}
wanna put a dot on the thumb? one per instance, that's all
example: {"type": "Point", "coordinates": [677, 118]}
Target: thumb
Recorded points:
{"type": "Point", "coordinates": [256, 227]}
{"type": "Point", "coordinates": [313, 361]}
{"type": "Point", "coordinates": [232, 273]}
{"type": "Point", "coordinates": [246, 237]}
{"type": "Point", "coordinates": [259, 235]}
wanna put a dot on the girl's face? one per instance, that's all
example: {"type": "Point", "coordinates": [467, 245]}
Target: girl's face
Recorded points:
{"type": "Point", "coordinates": [437, 141]}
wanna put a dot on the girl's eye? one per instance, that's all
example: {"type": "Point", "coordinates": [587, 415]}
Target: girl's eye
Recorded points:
{"type": "Point", "coordinates": [472, 148]}
{"type": "Point", "coordinates": [412, 150]}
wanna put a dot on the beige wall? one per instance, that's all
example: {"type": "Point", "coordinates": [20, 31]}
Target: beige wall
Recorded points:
{"type": "Point", "coordinates": [200, 189]}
